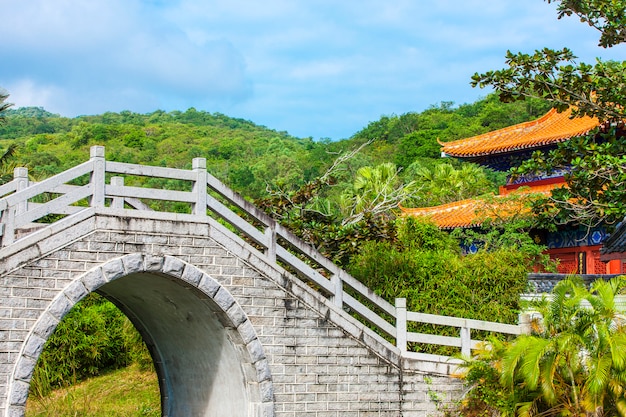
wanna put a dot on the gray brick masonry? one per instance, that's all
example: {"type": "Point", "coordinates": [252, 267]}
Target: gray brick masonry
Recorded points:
{"type": "Point", "coordinates": [297, 353]}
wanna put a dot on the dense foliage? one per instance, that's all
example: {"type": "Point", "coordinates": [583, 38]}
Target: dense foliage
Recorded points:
{"type": "Point", "coordinates": [414, 136]}
{"type": "Point", "coordinates": [426, 266]}
{"type": "Point", "coordinates": [251, 158]}
{"type": "Point", "coordinates": [244, 155]}
{"type": "Point", "coordinates": [572, 364]}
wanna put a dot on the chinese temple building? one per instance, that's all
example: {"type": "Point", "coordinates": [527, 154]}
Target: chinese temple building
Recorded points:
{"type": "Point", "coordinates": [614, 248]}
{"type": "Point", "coordinates": [577, 249]}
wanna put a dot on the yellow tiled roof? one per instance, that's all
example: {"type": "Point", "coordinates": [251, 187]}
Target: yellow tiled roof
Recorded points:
{"type": "Point", "coordinates": [539, 187]}
{"type": "Point", "coordinates": [472, 212]}
{"type": "Point", "coordinates": [551, 128]}
{"type": "Point", "coordinates": [449, 216]}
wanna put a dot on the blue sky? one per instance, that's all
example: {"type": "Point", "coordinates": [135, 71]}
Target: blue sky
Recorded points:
{"type": "Point", "coordinates": [316, 68]}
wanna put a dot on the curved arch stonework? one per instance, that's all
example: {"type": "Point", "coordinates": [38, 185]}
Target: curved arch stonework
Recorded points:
{"type": "Point", "coordinates": [232, 345]}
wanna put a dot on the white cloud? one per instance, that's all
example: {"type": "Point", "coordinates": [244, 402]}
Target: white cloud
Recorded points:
{"type": "Point", "coordinates": [319, 68]}
{"type": "Point", "coordinates": [99, 48]}
{"type": "Point", "coordinates": [27, 93]}
{"type": "Point", "coordinates": [66, 24]}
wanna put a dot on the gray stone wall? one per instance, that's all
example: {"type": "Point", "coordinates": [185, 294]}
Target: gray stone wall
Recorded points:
{"type": "Point", "coordinates": [320, 361]}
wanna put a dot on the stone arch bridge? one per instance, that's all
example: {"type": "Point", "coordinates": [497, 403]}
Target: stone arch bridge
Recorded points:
{"type": "Point", "coordinates": [240, 316]}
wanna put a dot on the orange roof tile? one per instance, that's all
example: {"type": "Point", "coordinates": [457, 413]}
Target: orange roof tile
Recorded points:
{"type": "Point", "coordinates": [551, 128]}
{"type": "Point", "coordinates": [534, 188]}
{"type": "Point", "coordinates": [472, 212]}
{"type": "Point", "coordinates": [448, 216]}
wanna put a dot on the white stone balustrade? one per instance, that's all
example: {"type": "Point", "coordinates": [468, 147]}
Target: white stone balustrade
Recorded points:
{"type": "Point", "coordinates": [58, 195]}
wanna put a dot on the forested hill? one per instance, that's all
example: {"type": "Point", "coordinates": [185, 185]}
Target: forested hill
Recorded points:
{"type": "Point", "coordinates": [239, 152]}
{"type": "Point", "coordinates": [403, 139]}
{"type": "Point", "coordinates": [247, 156]}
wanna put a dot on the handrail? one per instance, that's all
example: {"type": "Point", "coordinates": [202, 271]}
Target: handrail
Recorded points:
{"type": "Point", "coordinates": [207, 192]}
{"type": "Point", "coordinates": [464, 341]}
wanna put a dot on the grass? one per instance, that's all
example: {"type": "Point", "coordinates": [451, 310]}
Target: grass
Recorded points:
{"type": "Point", "coordinates": [127, 392]}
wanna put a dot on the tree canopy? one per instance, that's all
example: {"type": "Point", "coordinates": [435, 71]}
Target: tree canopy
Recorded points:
{"type": "Point", "coordinates": [609, 17]}
{"type": "Point", "coordinates": [4, 105]}
{"type": "Point", "coordinates": [596, 163]}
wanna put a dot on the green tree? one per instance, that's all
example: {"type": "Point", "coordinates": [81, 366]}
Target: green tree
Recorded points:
{"type": "Point", "coordinates": [4, 106]}
{"type": "Point", "coordinates": [596, 162]}
{"type": "Point", "coordinates": [609, 17]}
{"type": "Point", "coordinates": [418, 144]}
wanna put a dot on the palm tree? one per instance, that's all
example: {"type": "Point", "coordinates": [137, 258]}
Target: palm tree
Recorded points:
{"type": "Point", "coordinates": [442, 183]}
{"type": "Point", "coordinates": [574, 363]}
{"type": "Point", "coordinates": [6, 159]}
{"type": "Point", "coordinates": [3, 104]}
{"type": "Point", "coordinates": [7, 164]}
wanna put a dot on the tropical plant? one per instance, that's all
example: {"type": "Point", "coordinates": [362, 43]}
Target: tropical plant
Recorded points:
{"type": "Point", "coordinates": [572, 364]}
{"type": "Point", "coordinates": [315, 217]}
{"type": "Point", "coordinates": [4, 106]}
{"type": "Point", "coordinates": [7, 163]}
{"type": "Point", "coordinates": [376, 191]}
{"type": "Point", "coordinates": [443, 183]}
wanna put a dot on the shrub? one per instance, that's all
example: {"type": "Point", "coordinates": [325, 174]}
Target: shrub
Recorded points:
{"type": "Point", "coordinates": [572, 364]}
{"type": "Point", "coordinates": [427, 268]}
{"type": "Point", "coordinates": [93, 337]}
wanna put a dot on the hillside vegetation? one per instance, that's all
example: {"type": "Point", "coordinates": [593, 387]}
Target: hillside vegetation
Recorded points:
{"type": "Point", "coordinates": [246, 156]}
{"type": "Point", "coordinates": [341, 201]}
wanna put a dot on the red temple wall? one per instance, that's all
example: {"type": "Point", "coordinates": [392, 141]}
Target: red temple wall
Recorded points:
{"type": "Point", "coordinates": [584, 260]}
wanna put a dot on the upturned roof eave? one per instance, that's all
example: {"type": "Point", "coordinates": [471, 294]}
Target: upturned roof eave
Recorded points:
{"type": "Point", "coordinates": [550, 129]}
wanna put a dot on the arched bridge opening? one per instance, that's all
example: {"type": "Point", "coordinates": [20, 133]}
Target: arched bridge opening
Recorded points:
{"type": "Point", "coordinates": [206, 354]}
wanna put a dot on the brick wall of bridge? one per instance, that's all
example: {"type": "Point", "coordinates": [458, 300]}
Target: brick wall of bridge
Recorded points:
{"type": "Point", "coordinates": [322, 362]}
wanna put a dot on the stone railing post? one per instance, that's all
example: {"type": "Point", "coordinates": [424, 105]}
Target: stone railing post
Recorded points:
{"type": "Point", "coordinates": [97, 175]}
{"type": "Point", "coordinates": [20, 176]}
{"type": "Point", "coordinates": [466, 341]}
{"type": "Point", "coordinates": [118, 202]}
{"type": "Point", "coordinates": [199, 187]}
{"type": "Point", "coordinates": [270, 235]}
{"type": "Point", "coordinates": [401, 324]}
{"type": "Point", "coordinates": [337, 282]}
{"type": "Point", "coordinates": [524, 323]}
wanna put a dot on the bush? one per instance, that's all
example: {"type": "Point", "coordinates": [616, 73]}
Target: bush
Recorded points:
{"type": "Point", "coordinates": [427, 268]}
{"type": "Point", "coordinates": [92, 338]}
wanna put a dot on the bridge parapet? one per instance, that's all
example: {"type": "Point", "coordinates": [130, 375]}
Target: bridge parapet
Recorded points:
{"type": "Point", "coordinates": [70, 196]}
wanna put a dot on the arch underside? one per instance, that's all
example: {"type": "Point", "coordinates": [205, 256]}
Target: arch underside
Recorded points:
{"type": "Point", "coordinates": [207, 356]}
{"type": "Point", "coordinates": [199, 357]}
